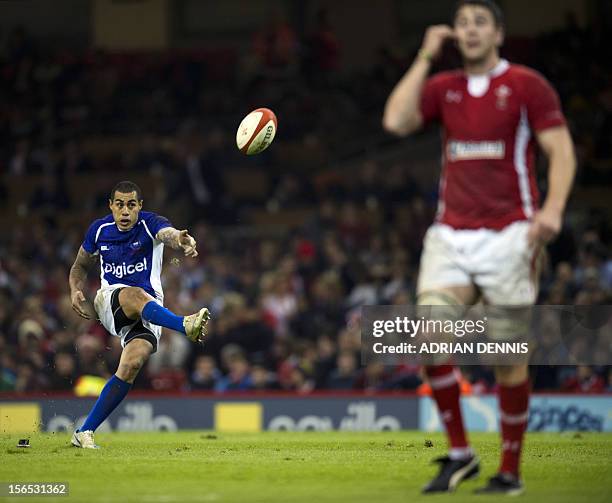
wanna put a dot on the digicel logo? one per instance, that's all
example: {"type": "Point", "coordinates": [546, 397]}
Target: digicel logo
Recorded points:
{"type": "Point", "coordinates": [121, 270]}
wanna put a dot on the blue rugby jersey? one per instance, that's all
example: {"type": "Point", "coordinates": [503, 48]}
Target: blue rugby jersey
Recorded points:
{"type": "Point", "coordinates": [131, 258]}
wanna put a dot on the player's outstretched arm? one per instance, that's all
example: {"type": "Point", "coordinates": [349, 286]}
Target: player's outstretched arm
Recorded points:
{"type": "Point", "coordinates": [178, 240]}
{"type": "Point", "coordinates": [77, 277]}
{"type": "Point", "coordinates": [402, 111]}
{"type": "Point", "coordinates": [557, 144]}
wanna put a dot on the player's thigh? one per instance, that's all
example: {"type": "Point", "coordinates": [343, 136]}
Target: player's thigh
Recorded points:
{"type": "Point", "coordinates": [105, 304]}
{"type": "Point", "coordinates": [132, 300]}
{"type": "Point", "coordinates": [112, 315]}
{"type": "Point", "coordinates": [448, 296]}
{"type": "Point", "coordinates": [442, 271]}
{"type": "Point", "coordinates": [509, 286]}
{"type": "Point", "coordinates": [509, 268]}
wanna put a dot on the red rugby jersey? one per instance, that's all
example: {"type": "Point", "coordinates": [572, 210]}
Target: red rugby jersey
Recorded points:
{"type": "Point", "coordinates": [488, 160]}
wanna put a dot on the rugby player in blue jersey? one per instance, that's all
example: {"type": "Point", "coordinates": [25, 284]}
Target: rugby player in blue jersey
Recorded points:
{"type": "Point", "coordinates": [129, 244]}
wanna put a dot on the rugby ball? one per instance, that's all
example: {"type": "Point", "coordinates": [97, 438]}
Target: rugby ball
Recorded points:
{"type": "Point", "coordinates": [256, 131]}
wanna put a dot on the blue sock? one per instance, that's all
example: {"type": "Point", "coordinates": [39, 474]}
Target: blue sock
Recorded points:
{"type": "Point", "coordinates": [159, 315]}
{"type": "Point", "coordinates": [112, 394]}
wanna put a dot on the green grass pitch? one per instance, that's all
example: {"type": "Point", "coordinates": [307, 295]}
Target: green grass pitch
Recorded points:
{"type": "Point", "coordinates": [295, 467]}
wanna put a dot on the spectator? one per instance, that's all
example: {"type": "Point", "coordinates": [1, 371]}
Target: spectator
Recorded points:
{"type": "Point", "coordinates": [64, 372]}
{"type": "Point", "coordinates": [279, 301]}
{"type": "Point", "coordinates": [324, 48]}
{"type": "Point", "coordinates": [172, 352]}
{"type": "Point", "coordinates": [275, 45]}
{"type": "Point", "coordinates": [279, 298]}
{"type": "Point", "coordinates": [8, 371]}
{"type": "Point", "coordinates": [238, 377]}
{"type": "Point", "coordinates": [345, 375]}
{"type": "Point", "coordinates": [50, 197]}
{"type": "Point", "coordinates": [584, 380]}
{"type": "Point", "coordinates": [263, 379]}
{"type": "Point", "coordinates": [89, 357]}
{"type": "Point", "coordinates": [205, 374]}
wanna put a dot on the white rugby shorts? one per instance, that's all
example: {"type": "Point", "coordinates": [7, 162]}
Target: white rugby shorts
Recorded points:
{"type": "Point", "coordinates": [500, 263]}
{"type": "Point", "coordinates": [109, 314]}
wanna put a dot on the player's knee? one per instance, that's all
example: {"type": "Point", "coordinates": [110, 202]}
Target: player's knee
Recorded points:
{"type": "Point", "coordinates": [129, 369]}
{"type": "Point", "coordinates": [133, 299]}
{"type": "Point", "coordinates": [438, 307]}
{"type": "Point", "coordinates": [436, 298]}
{"type": "Point", "coordinates": [509, 323]}
{"type": "Point", "coordinates": [132, 294]}
{"type": "Point", "coordinates": [133, 359]}
{"type": "Point", "coordinates": [127, 372]}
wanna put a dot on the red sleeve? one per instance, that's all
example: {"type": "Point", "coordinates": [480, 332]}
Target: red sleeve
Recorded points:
{"type": "Point", "coordinates": [543, 105]}
{"type": "Point", "coordinates": [430, 102]}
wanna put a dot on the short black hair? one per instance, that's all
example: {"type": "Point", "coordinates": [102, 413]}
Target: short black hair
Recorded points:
{"type": "Point", "coordinates": [490, 5]}
{"type": "Point", "coordinates": [125, 187]}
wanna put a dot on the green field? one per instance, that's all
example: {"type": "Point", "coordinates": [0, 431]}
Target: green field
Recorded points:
{"type": "Point", "coordinates": [289, 467]}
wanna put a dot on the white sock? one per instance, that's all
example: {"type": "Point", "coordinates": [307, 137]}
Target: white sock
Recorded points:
{"type": "Point", "coordinates": [460, 453]}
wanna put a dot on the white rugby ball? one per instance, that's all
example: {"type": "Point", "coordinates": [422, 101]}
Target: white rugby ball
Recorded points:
{"type": "Point", "coordinates": [256, 131]}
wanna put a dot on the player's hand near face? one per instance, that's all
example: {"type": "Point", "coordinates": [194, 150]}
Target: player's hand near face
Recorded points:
{"type": "Point", "coordinates": [402, 111]}
{"type": "Point", "coordinates": [187, 244]}
{"type": "Point", "coordinates": [434, 39]}
{"type": "Point", "coordinates": [80, 305]}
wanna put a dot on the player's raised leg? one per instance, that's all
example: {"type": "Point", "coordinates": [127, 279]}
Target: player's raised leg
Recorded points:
{"type": "Point", "coordinates": [460, 463]}
{"type": "Point", "coordinates": [136, 303]}
{"type": "Point", "coordinates": [133, 358]}
{"type": "Point", "coordinates": [513, 383]}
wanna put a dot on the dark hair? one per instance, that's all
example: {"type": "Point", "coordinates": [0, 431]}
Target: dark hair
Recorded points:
{"type": "Point", "coordinates": [125, 187]}
{"type": "Point", "coordinates": [490, 5]}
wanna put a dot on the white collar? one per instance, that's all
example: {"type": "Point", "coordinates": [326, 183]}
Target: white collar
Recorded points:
{"type": "Point", "coordinates": [496, 71]}
{"type": "Point", "coordinates": [500, 68]}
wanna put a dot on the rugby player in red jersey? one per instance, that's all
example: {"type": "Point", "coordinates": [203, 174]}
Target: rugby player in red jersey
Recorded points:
{"type": "Point", "coordinates": [490, 226]}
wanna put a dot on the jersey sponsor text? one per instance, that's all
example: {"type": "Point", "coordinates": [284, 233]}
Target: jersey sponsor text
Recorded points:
{"type": "Point", "coordinates": [469, 150]}
{"type": "Point", "coordinates": [121, 270]}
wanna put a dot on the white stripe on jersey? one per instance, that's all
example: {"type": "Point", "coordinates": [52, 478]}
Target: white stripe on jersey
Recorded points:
{"type": "Point", "coordinates": [523, 135]}
{"type": "Point", "coordinates": [100, 228]}
{"type": "Point", "coordinates": [103, 281]}
{"type": "Point", "coordinates": [98, 251]}
{"type": "Point", "coordinates": [156, 264]}
{"type": "Point", "coordinates": [441, 189]}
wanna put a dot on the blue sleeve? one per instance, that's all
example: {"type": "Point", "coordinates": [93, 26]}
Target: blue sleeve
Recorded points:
{"type": "Point", "coordinates": [89, 244]}
{"type": "Point", "coordinates": [155, 223]}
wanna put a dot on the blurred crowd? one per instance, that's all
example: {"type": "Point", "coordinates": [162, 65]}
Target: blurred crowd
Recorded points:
{"type": "Point", "coordinates": [286, 306]}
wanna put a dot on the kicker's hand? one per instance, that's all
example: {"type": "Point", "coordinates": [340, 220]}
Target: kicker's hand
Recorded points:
{"type": "Point", "coordinates": [80, 305]}
{"type": "Point", "coordinates": [187, 244]}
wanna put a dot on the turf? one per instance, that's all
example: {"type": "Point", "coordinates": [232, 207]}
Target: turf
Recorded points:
{"type": "Point", "coordinates": [296, 467]}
